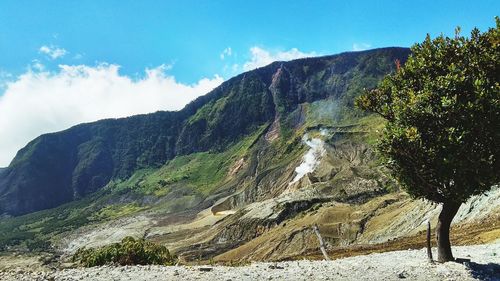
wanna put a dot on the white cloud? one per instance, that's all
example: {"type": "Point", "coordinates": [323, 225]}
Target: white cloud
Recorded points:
{"type": "Point", "coordinates": [53, 52]}
{"type": "Point", "coordinates": [360, 46]}
{"type": "Point", "coordinates": [226, 53]}
{"type": "Point", "coordinates": [39, 101]}
{"type": "Point", "coordinates": [37, 65]}
{"type": "Point", "coordinates": [261, 57]}
{"type": "Point", "coordinates": [5, 77]}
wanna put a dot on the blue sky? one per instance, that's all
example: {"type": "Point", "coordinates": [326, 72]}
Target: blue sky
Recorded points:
{"type": "Point", "coordinates": [68, 62]}
{"type": "Point", "coordinates": [192, 34]}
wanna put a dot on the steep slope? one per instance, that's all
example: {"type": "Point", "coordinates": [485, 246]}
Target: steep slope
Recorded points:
{"type": "Point", "coordinates": [61, 167]}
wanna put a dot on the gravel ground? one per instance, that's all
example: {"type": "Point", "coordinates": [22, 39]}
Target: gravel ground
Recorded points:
{"type": "Point", "coordinates": [409, 265]}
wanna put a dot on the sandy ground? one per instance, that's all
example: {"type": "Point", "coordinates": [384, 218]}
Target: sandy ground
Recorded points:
{"type": "Point", "coordinates": [398, 265]}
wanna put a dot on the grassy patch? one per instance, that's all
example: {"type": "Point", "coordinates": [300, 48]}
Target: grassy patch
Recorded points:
{"type": "Point", "coordinates": [116, 211]}
{"type": "Point", "coordinates": [202, 171]}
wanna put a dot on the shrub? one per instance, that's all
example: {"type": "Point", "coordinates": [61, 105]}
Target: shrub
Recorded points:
{"type": "Point", "coordinates": [129, 251]}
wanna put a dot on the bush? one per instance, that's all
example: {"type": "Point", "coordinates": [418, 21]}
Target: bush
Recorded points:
{"type": "Point", "coordinates": [129, 251]}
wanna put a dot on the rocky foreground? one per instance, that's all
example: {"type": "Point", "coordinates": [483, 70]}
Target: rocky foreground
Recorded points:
{"type": "Point", "coordinates": [409, 265]}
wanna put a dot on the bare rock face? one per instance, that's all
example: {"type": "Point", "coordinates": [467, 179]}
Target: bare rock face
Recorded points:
{"type": "Point", "coordinates": [252, 221]}
{"type": "Point", "coordinates": [341, 172]}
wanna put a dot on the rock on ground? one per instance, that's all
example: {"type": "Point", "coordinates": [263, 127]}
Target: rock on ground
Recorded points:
{"type": "Point", "coordinates": [398, 265]}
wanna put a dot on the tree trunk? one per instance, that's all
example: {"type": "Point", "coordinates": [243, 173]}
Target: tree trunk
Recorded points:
{"type": "Point", "coordinates": [449, 211]}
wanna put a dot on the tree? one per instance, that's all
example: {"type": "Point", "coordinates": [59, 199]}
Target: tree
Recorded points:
{"type": "Point", "coordinates": [442, 131]}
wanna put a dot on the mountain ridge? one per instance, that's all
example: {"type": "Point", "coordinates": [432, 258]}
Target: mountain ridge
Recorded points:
{"type": "Point", "coordinates": [60, 167]}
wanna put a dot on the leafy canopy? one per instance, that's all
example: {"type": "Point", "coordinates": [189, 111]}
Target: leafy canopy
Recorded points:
{"type": "Point", "coordinates": [443, 113]}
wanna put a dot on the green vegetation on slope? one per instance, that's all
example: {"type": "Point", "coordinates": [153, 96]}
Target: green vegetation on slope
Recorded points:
{"type": "Point", "coordinates": [198, 174]}
{"type": "Point", "coordinates": [38, 228]}
{"type": "Point", "coordinates": [201, 171]}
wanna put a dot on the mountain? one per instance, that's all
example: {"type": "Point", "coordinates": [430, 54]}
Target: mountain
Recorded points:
{"type": "Point", "coordinates": [61, 167]}
{"type": "Point", "coordinates": [240, 174]}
